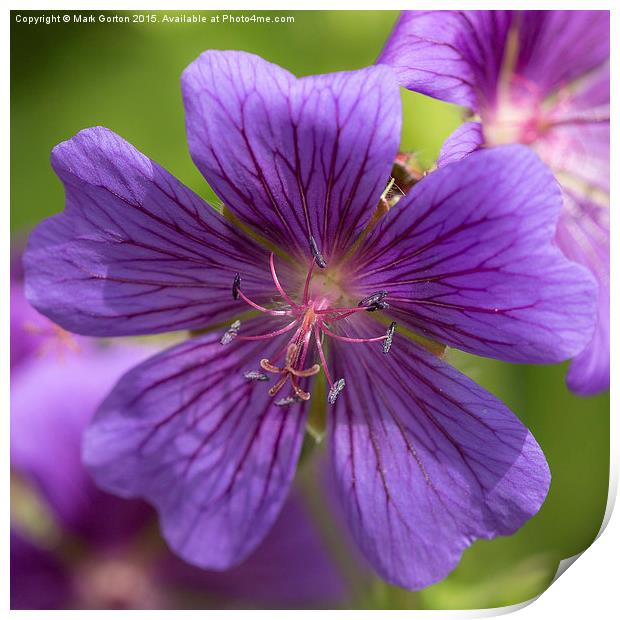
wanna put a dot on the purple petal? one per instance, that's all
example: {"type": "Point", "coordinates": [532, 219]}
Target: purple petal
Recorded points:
{"type": "Point", "coordinates": [426, 461]}
{"type": "Point", "coordinates": [290, 567]}
{"type": "Point", "coordinates": [46, 430]}
{"type": "Point", "coordinates": [557, 47]}
{"type": "Point", "coordinates": [583, 235]}
{"type": "Point", "coordinates": [461, 56]}
{"type": "Point", "coordinates": [211, 450]}
{"type": "Point", "coordinates": [465, 140]}
{"type": "Point", "coordinates": [135, 251]}
{"type": "Point", "coordinates": [293, 158]}
{"type": "Point", "coordinates": [468, 260]}
{"type": "Point", "coordinates": [455, 56]}
{"type": "Point", "coordinates": [38, 579]}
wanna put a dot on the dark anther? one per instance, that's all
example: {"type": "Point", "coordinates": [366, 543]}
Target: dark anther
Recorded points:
{"type": "Point", "coordinates": [380, 305]}
{"type": "Point", "coordinates": [287, 401]}
{"type": "Point", "coordinates": [374, 302]}
{"type": "Point", "coordinates": [335, 390]}
{"type": "Point", "coordinates": [236, 286]}
{"type": "Point", "coordinates": [318, 257]}
{"type": "Point", "coordinates": [389, 336]}
{"type": "Point", "coordinates": [231, 333]}
{"type": "Point", "coordinates": [255, 375]}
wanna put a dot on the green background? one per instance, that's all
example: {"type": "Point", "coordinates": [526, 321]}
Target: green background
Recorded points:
{"type": "Point", "coordinates": [65, 77]}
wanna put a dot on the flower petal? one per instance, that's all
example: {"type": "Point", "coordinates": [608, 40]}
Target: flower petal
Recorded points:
{"type": "Point", "coordinates": [290, 567]}
{"type": "Point", "coordinates": [468, 260]}
{"type": "Point", "coordinates": [46, 431]}
{"type": "Point", "coordinates": [426, 462]}
{"type": "Point", "coordinates": [460, 56]}
{"type": "Point", "coordinates": [455, 56]}
{"type": "Point", "coordinates": [583, 235]}
{"type": "Point", "coordinates": [293, 158]}
{"type": "Point", "coordinates": [208, 448]}
{"type": "Point", "coordinates": [463, 141]}
{"type": "Point", "coordinates": [135, 251]}
{"type": "Point", "coordinates": [557, 47]}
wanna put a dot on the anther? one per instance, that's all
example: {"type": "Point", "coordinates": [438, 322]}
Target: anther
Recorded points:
{"type": "Point", "coordinates": [389, 336]}
{"type": "Point", "coordinates": [236, 286]}
{"type": "Point", "coordinates": [380, 305]}
{"type": "Point", "coordinates": [318, 257]}
{"type": "Point", "coordinates": [335, 390]}
{"type": "Point", "coordinates": [287, 401]}
{"type": "Point", "coordinates": [231, 333]}
{"type": "Point", "coordinates": [255, 375]}
{"type": "Point", "coordinates": [374, 302]}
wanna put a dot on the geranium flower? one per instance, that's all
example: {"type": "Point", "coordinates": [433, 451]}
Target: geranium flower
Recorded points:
{"type": "Point", "coordinates": [539, 78]}
{"type": "Point", "coordinates": [95, 550]}
{"type": "Point", "coordinates": [309, 285]}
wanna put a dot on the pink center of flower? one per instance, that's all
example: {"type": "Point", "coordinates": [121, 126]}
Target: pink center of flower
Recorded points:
{"type": "Point", "coordinates": [518, 115]}
{"type": "Point", "coordinates": [312, 318]}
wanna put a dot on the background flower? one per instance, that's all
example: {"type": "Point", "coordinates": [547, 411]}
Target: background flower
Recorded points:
{"type": "Point", "coordinates": [539, 78]}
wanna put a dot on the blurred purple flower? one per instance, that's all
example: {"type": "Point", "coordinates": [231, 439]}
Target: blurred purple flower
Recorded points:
{"type": "Point", "coordinates": [425, 461]}
{"type": "Point", "coordinates": [539, 78]}
{"type": "Point", "coordinates": [117, 563]}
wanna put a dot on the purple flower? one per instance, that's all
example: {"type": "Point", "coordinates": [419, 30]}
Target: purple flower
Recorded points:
{"type": "Point", "coordinates": [103, 555]}
{"type": "Point", "coordinates": [210, 431]}
{"type": "Point", "coordinates": [539, 78]}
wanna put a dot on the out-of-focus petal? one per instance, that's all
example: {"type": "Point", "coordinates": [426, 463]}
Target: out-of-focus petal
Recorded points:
{"type": "Point", "coordinates": [135, 251]}
{"type": "Point", "coordinates": [462, 142]}
{"type": "Point", "coordinates": [557, 47]}
{"type": "Point", "coordinates": [52, 401]}
{"type": "Point", "coordinates": [464, 56]}
{"type": "Point", "coordinates": [467, 258]}
{"type": "Point", "coordinates": [455, 56]}
{"type": "Point", "coordinates": [583, 235]}
{"type": "Point", "coordinates": [38, 579]}
{"type": "Point", "coordinates": [293, 157]}
{"type": "Point", "coordinates": [426, 461]}
{"type": "Point", "coordinates": [208, 448]}
{"type": "Point", "coordinates": [290, 567]}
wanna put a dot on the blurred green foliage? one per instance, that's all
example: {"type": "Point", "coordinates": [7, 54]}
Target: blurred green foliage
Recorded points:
{"type": "Point", "coordinates": [65, 77]}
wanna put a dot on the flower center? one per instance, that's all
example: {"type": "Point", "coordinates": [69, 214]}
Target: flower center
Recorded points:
{"type": "Point", "coordinates": [517, 117]}
{"type": "Point", "coordinates": [313, 316]}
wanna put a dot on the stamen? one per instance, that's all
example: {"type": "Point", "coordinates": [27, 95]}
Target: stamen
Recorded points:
{"type": "Point", "coordinates": [355, 340]}
{"type": "Point", "coordinates": [255, 375]}
{"type": "Point", "coordinates": [307, 284]}
{"type": "Point", "coordinates": [380, 305]}
{"type": "Point", "coordinates": [231, 333]}
{"type": "Point", "coordinates": [282, 292]}
{"type": "Point", "coordinates": [374, 302]}
{"type": "Point", "coordinates": [335, 390]}
{"type": "Point", "coordinates": [287, 401]}
{"type": "Point", "coordinates": [318, 257]}
{"type": "Point", "coordinates": [277, 332]}
{"type": "Point", "coordinates": [236, 286]}
{"type": "Point", "coordinates": [319, 346]}
{"type": "Point", "coordinates": [389, 336]}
